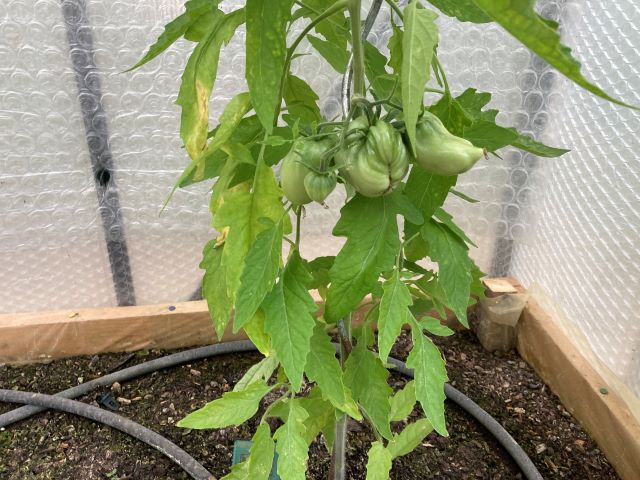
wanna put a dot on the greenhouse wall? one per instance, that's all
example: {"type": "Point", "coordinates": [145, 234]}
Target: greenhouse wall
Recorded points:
{"type": "Point", "coordinates": [89, 154]}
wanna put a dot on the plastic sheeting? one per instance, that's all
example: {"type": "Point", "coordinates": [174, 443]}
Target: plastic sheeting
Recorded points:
{"type": "Point", "coordinates": [569, 224]}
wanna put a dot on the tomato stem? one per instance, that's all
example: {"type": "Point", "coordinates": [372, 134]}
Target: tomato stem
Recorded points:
{"type": "Point", "coordinates": [359, 88]}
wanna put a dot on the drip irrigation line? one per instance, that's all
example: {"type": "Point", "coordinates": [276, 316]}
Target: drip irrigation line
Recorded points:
{"type": "Point", "coordinates": [38, 405]}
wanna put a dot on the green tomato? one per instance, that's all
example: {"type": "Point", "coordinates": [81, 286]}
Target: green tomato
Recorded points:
{"type": "Point", "coordinates": [375, 159]}
{"type": "Point", "coordinates": [441, 153]}
{"type": "Point", "coordinates": [304, 157]}
{"type": "Point", "coordinates": [319, 185]}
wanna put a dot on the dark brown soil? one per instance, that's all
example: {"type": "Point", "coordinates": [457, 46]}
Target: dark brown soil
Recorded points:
{"type": "Point", "coordinates": [59, 446]}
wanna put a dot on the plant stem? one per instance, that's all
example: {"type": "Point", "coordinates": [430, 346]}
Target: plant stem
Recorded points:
{"type": "Point", "coordinates": [394, 6]}
{"type": "Point", "coordinates": [438, 65]}
{"type": "Point", "coordinates": [335, 8]}
{"type": "Point", "coordinates": [359, 88]}
{"type": "Point", "coordinates": [298, 221]}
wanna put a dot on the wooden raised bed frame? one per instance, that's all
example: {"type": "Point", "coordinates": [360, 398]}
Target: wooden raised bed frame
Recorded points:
{"type": "Point", "coordinates": [44, 336]}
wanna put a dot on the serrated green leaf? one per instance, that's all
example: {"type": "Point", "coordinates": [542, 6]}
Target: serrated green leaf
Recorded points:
{"type": "Point", "coordinates": [419, 39]}
{"type": "Point", "coordinates": [260, 272]}
{"type": "Point", "coordinates": [266, 53]}
{"type": "Point", "coordinates": [463, 10]}
{"type": "Point", "coordinates": [366, 376]}
{"type": "Point", "coordinates": [261, 453]}
{"type": "Point", "coordinates": [233, 408]}
{"type": "Point", "coordinates": [337, 56]}
{"type": "Point", "coordinates": [225, 181]}
{"type": "Point", "coordinates": [301, 100]}
{"type": "Point", "coordinates": [239, 471]}
{"type": "Point", "coordinates": [256, 333]}
{"type": "Point", "coordinates": [323, 368]}
{"type": "Point", "coordinates": [454, 274]}
{"type": "Point", "coordinates": [214, 288]}
{"type": "Point", "coordinates": [198, 29]}
{"type": "Point", "coordinates": [379, 462]}
{"type": "Point", "coordinates": [530, 145]}
{"type": "Point", "coordinates": [291, 446]}
{"type": "Point", "coordinates": [395, 49]}
{"type": "Point", "coordinates": [410, 437]}
{"type": "Point", "coordinates": [426, 192]}
{"type": "Point", "coordinates": [372, 244]}
{"type": "Point", "coordinates": [322, 418]}
{"type": "Point", "coordinates": [260, 371]}
{"type": "Point", "coordinates": [430, 376]}
{"type": "Point", "coordinates": [394, 307]}
{"type": "Point", "coordinates": [289, 321]}
{"type": "Point", "coordinates": [335, 28]}
{"type": "Point", "coordinates": [519, 18]}
{"type": "Point", "coordinates": [197, 82]}
{"type": "Point", "coordinates": [375, 70]}
{"type": "Point", "coordinates": [446, 219]}
{"type": "Point", "coordinates": [433, 326]}
{"type": "Point", "coordinates": [402, 402]}
{"type": "Point", "coordinates": [194, 10]}
{"type": "Point", "coordinates": [239, 215]}
{"type": "Point", "coordinates": [233, 113]}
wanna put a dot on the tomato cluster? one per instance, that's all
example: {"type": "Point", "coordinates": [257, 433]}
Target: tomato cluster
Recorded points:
{"type": "Point", "coordinates": [373, 157]}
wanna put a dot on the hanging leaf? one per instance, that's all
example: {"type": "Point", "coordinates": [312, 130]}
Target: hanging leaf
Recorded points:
{"type": "Point", "coordinates": [463, 10]}
{"type": "Point", "coordinates": [519, 18]}
{"type": "Point", "coordinates": [323, 368]}
{"type": "Point", "coordinates": [394, 307]}
{"type": "Point", "coordinates": [240, 216]}
{"type": "Point", "coordinates": [430, 376]}
{"type": "Point", "coordinates": [194, 11]}
{"type": "Point", "coordinates": [301, 100]}
{"type": "Point", "coordinates": [372, 244]}
{"type": "Point", "coordinates": [266, 53]}
{"type": "Point", "coordinates": [233, 408]}
{"type": "Point", "coordinates": [260, 371]}
{"type": "Point", "coordinates": [291, 446]}
{"type": "Point", "coordinates": [214, 288]}
{"type": "Point", "coordinates": [410, 437]}
{"type": "Point", "coordinates": [337, 56]}
{"type": "Point", "coordinates": [198, 79]}
{"type": "Point", "coordinates": [402, 402]}
{"type": "Point", "coordinates": [419, 39]}
{"type": "Point", "coordinates": [454, 266]}
{"type": "Point", "coordinates": [260, 272]}
{"type": "Point", "coordinates": [379, 462]}
{"type": "Point", "coordinates": [366, 376]}
{"type": "Point", "coordinates": [261, 453]}
{"type": "Point", "coordinates": [289, 310]}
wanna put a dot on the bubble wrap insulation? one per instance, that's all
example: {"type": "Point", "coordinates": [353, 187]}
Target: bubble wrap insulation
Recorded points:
{"type": "Point", "coordinates": [568, 224]}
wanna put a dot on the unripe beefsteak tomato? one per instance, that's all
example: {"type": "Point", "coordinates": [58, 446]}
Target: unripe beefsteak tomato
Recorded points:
{"type": "Point", "coordinates": [304, 157]}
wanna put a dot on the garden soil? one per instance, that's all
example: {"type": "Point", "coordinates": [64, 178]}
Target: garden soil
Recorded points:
{"type": "Point", "coordinates": [59, 446]}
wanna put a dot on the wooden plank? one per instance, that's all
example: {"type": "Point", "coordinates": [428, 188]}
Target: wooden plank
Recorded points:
{"type": "Point", "coordinates": [605, 416]}
{"type": "Point", "coordinates": [44, 336]}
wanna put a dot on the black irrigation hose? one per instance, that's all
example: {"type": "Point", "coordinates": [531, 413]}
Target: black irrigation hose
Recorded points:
{"type": "Point", "coordinates": [500, 434]}
{"type": "Point", "coordinates": [170, 449]}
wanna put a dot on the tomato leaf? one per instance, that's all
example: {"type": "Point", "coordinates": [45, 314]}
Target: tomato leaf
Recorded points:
{"type": "Point", "coordinates": [291, 445]}
{"type": "Point", "coordinates": [289, 321]}
{"type": "Point", "coordinates": [463, 10]}
{"type": "Point", "coordinates": [366, 376]}
{"type": "Point", "coordinates": [394, 307]}
{"type": "Point", "coordinates": [261, 453]}
{"type": "Point", "coordinates": [419, 39]}
{"type": "Point", "coordinates": [336, 55]}
{"type": "Point", "coordinates": [233, 408]}
{"type": "Point", "coordinates": [266, 53]}
{"type": "Point", "coordinates": [372, 244]}
{"type": "Point", "coordinates": [519, 18]}
{"type": "Point", "coordinates": [379, 462]}
{"type": "Point", "coordinates": [260, 371]}
{"type": "Point", "coordinates": [409, 438]}
{"type": "Point", "coordinates": [430, 376]}
{"type": "Point", "coordinates": [260, 272]}
{"type": "Point", "coordinates": [194, 11]}
{"type": "Point", "coordinates": [214, 287]}
{"type": "Point", "coordinates": [240, 216]}
{"type": "Point", "coordinates": [402, 402]}
{"type": "Point", "coordinates": [301, 100]}
{"type": "Point", "coordinates": [197, 81]}
{"type": "Point", "coordinates": [454, 263]}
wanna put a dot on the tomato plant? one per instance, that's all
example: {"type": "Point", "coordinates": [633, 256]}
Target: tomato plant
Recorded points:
{"type": "Point", "coordinates": [396, 157]}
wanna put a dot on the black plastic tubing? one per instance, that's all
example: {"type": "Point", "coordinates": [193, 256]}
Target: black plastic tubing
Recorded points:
{"type": "Point", "coordinates": [501, 435]}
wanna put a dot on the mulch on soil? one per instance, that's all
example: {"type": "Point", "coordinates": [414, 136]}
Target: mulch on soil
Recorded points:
{"type": "Point", "coordinates": [59, 446]}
